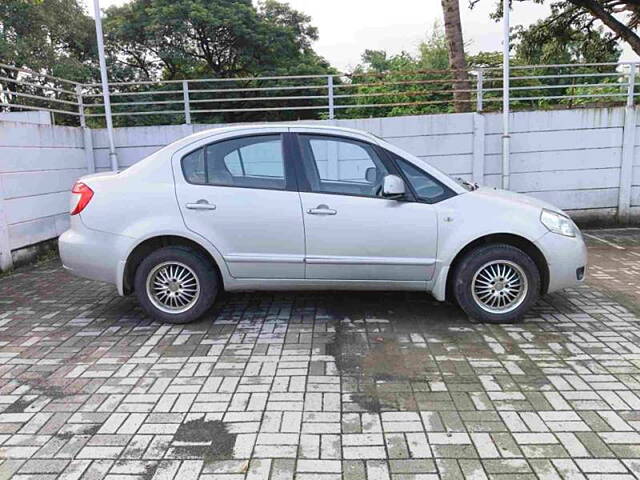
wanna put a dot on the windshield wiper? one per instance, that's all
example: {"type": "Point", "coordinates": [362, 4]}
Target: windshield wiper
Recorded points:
{"type": "Point", "coordinates": [470, 185]}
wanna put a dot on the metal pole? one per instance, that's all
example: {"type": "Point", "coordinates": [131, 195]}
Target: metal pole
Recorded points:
{"type": "Point", "coordinates": [83, 122]}
{"type": "Point", "coordinates": [632, 85]}
{"type": "Point", "coordinates": [185, 97]}
{"type": "Point", "coordinates": [330, 97]}
{"type": "Point", "coordinates": [479, 88]}
{"type": "Point", "coordinates": [105, 86]}
{"type": "Point", "coordinates": [505, 95]}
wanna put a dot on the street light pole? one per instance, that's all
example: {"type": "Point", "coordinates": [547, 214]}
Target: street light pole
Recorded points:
{"type": "Point", "coordinates": [505, 95]}
{"type": "Point", "coordinates": [105, 86]}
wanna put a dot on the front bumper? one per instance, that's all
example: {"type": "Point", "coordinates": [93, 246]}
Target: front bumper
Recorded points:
{"type": "Point", "coordinates": [93, 254]}
{"type": "Point", "coordinates": [565, 257]}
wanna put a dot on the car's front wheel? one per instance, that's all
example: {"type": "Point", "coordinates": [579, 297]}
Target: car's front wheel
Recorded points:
{"type": "Point", "coordinates": [496, 283]}
{"type": "Point", "coordinates": [176, 284]}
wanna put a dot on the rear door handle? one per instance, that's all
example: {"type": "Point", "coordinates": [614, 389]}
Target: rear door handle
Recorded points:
{"type": "Point", "coordinates": [200, 205]}
{"type": "Point", "coordinates": [322, 210]}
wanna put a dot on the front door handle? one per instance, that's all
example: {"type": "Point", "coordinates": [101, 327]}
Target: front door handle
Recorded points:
{"type": "Point", "coordinates": [200, 205]}
{"type": "Point", "coordinates": [322, 210]}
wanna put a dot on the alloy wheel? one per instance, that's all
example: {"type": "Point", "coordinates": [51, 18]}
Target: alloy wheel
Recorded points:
{"type": "Point", "coordinates": [499, 286]}
{"type": "Point", "coordinates": [173, 287]}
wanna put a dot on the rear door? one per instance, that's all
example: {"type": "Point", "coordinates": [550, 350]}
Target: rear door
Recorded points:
{"type": "Point", "coordinates": [240, 195]}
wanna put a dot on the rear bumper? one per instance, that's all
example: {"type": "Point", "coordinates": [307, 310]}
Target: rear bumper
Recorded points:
{"type": "Point", "coordinates": [93, 254]}
{"type": "Point", "coordinates": [565, 257]}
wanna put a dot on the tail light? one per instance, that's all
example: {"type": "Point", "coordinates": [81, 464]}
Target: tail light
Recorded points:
{"type": "Point", "coordinates": [82, 195]}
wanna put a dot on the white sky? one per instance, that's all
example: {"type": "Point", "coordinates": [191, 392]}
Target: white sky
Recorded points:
{"type": "Point", "coordinates": [348, 27]}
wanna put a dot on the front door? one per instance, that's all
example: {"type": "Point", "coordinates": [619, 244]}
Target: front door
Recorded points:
{"type": "Point", "coordinates": [351, 232]}
{"type": "Point", "coordinates": [238, 194]}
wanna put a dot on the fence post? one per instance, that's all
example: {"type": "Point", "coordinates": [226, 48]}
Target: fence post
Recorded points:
{"type": "Point", "coordinates": [628, 146]}
{"type": "Point", "coordinates": [632, 85]}
{"type": "Point", "coordinates": [187, 107]}
{"type": "Point", "coordinates": [477, 169]}
{"type": "Point", "coordinates": [89, 155]}
{"type": "Point", "coordinates": [83, 121]}
{"type": "Point", "coordinates": [330, 97]}
{"type": "Point", "coordinates": [479, 92]}
{"type": "Point", "coordinates": [6, 260]}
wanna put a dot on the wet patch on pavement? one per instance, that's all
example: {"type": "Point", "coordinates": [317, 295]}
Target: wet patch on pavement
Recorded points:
{"type": "Point", "coordinates": [19, 406]}
{"type": "Point", "coordinates": [207, 440]}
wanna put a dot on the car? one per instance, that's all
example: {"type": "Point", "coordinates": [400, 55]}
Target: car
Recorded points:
{"type": "Point", "coordinates": [312, 207]}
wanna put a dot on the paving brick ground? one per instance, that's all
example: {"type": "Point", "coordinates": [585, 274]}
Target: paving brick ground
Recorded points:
{"type": "Point", "coordinates": [321, 386]}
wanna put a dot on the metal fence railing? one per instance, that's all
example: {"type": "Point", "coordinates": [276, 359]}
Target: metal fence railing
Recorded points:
{"type": "Point", "coordinates": [24, 89]}
{"type": "Point", "coordinates": [317, 96]}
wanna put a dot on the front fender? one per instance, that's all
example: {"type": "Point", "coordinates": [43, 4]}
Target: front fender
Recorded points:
{"type": "Point", "coordinates": [466, 218]}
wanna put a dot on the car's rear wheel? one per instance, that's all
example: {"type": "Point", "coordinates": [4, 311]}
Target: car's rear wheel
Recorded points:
{"type": "Point", "coordinates": [176, 284]}
{"type": "Point", "coordinates": [496, 284]}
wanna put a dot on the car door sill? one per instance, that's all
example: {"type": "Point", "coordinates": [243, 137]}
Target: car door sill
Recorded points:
{"type": "Point", "coordinates": [335, 260]}
{"type": "Point", "coordinates": [243, 284]}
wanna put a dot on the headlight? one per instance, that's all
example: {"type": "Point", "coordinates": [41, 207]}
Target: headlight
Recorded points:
{"type": "Point", "coordinates": [557, 223]}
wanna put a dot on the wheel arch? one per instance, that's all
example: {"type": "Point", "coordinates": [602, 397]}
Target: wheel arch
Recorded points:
{"type": "Point", "coordinates": [151, 244]}
{"type": "Point", "coordinates": [527, 246]}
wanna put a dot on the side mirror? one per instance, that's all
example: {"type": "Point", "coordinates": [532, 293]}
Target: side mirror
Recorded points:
{"type": "Point", "coordinates": [393, 187]}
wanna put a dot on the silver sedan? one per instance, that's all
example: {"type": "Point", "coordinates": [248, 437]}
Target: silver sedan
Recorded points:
{"type": "Point", "coordinates": [305, 207]}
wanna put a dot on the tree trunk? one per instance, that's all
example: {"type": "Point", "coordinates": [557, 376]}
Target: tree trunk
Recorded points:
{"type": "Point", "coordinates": [619, 28]}
{"type": "Point", "coordinates": [457, 61]}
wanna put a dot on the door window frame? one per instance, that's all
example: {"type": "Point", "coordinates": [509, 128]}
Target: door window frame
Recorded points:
{"type": "Point", "coordinates": [290, 173]}
{"type": "Point", "coordinates": [304, 183]}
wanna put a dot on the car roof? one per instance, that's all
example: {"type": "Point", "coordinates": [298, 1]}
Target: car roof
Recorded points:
{"type": "Point", "coordinates": [284, 127]}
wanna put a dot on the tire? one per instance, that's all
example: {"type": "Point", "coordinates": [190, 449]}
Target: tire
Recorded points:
{"type": "Point", "coordinates": [180, 301]}
{"type": "Point", "coordinates": [500, 301]}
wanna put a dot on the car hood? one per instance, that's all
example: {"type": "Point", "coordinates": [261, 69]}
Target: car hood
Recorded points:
{"type": "Point", "coordinates": [516, 197]}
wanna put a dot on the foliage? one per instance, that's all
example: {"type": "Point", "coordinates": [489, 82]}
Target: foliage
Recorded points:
{"type": "Point", "coordinates": [51, 37]}
{"type": "Point", "coordinates": [548, 41]}
{"type": "Point", "coordinates": [561, 40]}
{"type": "Point", "coordinates": [171, 40]}
{"type": "Point", "coordinates": [168, 39]}
{"type": "Point", "coordinates": [415, 84]}
{"type": "Point", "coordinates": [558, 40]}
{"type": "Point", "coordinates": [56, 37]}
{"type": "Point", "coordinates": [620, 17]}
{"type": "Point", "coordinates": [551, 41]}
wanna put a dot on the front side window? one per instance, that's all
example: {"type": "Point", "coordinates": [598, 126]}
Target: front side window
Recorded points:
{"type": "Point", "coordinates": [342, 166]}
{"type": "Point", "coordinates": [254, 162]}
{"type": "Point", "coordinates": [426, 188]}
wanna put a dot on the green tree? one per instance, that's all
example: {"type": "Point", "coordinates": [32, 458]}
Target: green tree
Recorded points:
{"type": "Point", "coordinates": [55, 37]}
{"type": "Point", "coordinates": [50, 37]}
{"type": "Point", "coordinates": [232, 39]}
{"type": "Point", "coordinates": [560, 40]}
{"type": "Point", "coordinates": [402, 84]}
{"type": "Point", "coordinates": [169, 39]}
{"type": "Point", "coordinates": [620, 17]}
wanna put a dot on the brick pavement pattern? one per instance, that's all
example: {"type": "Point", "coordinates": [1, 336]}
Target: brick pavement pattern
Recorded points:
{"type": "Point", "coordinates": [313, 386]}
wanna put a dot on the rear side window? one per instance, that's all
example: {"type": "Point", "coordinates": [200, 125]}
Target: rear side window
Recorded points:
{"type": "Point", "coordinates": [250, 162]}
{"type": "Point", "coordinates": [193, 167]}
